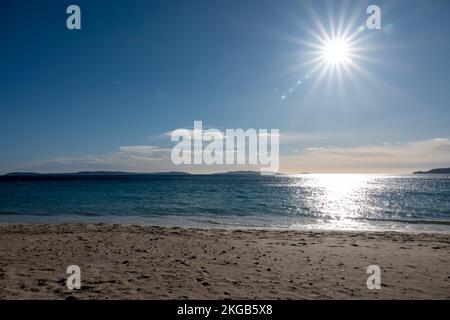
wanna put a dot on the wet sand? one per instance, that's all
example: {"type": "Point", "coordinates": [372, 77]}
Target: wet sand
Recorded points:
{"type": "Point", "coordinates": [139, 262]}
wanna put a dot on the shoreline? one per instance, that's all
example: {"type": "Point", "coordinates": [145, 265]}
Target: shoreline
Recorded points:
{"type": "Point", "coordinates": [121, 261]}
{"type": "Point", "coordinates": [377, 225]}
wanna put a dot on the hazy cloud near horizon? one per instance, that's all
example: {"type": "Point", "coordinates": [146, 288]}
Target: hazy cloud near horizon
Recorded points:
{"type": "Point", "coordinates": [385, 158]}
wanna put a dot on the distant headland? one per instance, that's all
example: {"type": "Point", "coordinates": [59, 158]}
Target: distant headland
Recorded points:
{"type": "Point", "coordinates": [92, 173]}
{"type": "Point", "coordinates": [435, 171]}
{"type": "Point", "coordinates": [119, 173]}
{"type": "Point", "coordinates": [108, 174]}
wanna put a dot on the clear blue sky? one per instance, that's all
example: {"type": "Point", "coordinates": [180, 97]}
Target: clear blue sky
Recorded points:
{"type": "Point", "coordinates": [138, 69]}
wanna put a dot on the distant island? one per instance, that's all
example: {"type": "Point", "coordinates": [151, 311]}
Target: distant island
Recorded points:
{"type": "Point", "coordinates": [108, 174]}
{"type": "Point", "coordinates": [434, 171]}
{"type": "Point", "coordinates": [19, 176]}
{"type": "Point", "coordinates": [240, 172]}
{"type": "Point", "coordinates": [92, 173]}
{"type": "Point", "coordinates": [113, 173]}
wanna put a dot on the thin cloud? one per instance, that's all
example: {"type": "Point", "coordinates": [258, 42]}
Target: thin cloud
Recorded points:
{"type": "Point", "coordinates": [143, 150]}
{"type": "Point", "coordinates": [386, 158]}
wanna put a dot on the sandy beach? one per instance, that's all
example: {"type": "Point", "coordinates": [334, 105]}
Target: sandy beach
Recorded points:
{"type": "Point", "coordinates": [140, 262]}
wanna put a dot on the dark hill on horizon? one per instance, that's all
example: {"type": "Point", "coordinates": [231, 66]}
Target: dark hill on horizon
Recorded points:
{"type": "Point", "coordinates": [96, 173]}
{"type": "Point", "coordinates": [85, 175]}
{"type": "Point", "coordinates": [434, 171]}
{"type": "Point", "coordinates": [107, 174]}
{"type": "Point", "coordinates": [112, 173]}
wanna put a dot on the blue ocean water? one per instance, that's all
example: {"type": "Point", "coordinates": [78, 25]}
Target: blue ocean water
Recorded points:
{"type": "Point", "coordinates": [337, 201]}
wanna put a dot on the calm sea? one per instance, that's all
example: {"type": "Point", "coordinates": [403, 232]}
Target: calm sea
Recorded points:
{"type": "Point", "coordinates": [341, 202]}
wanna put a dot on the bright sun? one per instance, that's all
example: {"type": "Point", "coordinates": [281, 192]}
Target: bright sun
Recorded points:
{"type": "Point", "coordinates": [331, 52]}
{"type": "Point", "coordinates": [336, 52]}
